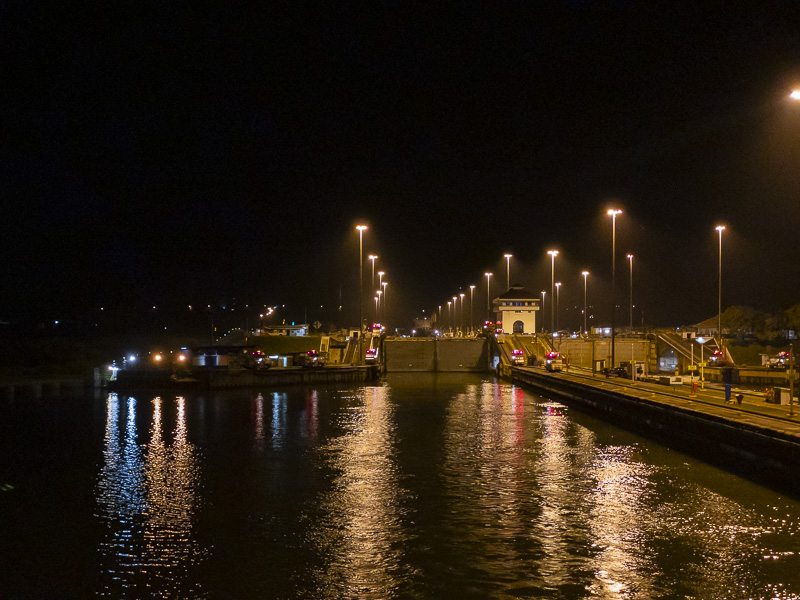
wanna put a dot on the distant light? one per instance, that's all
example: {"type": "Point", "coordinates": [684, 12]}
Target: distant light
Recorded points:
{"type": "Point", "coordinates": [157, 358]}
{"type": "Point", "coordinates": [132, 358]}
{"type": "Point", "coordinates": [56, 322]}
{"type": "Point", "coordinates": [181, 358]}
{"type": "Point", "coordinates": [614, 212]}
{"type": "Point", "coordinates": [795, 95]}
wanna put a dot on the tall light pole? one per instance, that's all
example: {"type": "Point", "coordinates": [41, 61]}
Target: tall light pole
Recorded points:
{"type": "Point", "coordinates": [585, 275]}
{"type": "Point", "coordinates": [383, 285]}
{"type": "Point", "coordinates": [553, 254]}
{"type": "Point", "coordinates": [630, 260]}
{"type": "Point", "coordinates": [450, 313]}
{"type": "Point", "coordinates": [543, 295]}
{"type": "Point", "coordinates": [377, 300]}
{"type": "Point", "coordinates": [360, 229]}
{"type": "Point", "coordinates": [471, 292]}
{"type": "Point", "coordinates": [378, 318]}
{"type": "Point", "coordinates": [720, 229]}
{"type": "Point", "coordinates": [455, 322]}
{"type": "Point", "coordinates": [508, 270]}
{"type": "Point", "coordinates": [372, 257]}
{"type": "Point", "coordinates": [613, 213]}
{"type": "Point", "coordinates": [488, 295]}
{"type": "Point", "coordinates": [462, 312]}
{"type": "Point", "coordinates": [558, 289]}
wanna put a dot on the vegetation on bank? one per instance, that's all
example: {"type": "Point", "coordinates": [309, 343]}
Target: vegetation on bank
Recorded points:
{"type": "Point", "coordinates": [747, 323]}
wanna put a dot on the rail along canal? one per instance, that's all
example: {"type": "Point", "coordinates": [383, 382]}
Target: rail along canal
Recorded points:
{"type": "Point", "coordinates": [416, 486]}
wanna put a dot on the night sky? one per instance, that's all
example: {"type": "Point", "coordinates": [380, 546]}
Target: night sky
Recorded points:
{"type": "Point", "coordinates": [198, 153]}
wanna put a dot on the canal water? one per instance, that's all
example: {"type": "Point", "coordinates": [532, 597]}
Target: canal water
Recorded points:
{"type": "Point", "coordinates": [420, 486]}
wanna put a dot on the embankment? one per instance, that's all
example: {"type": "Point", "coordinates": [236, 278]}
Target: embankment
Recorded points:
{"type": "Point", "coordinates": [756, 448]}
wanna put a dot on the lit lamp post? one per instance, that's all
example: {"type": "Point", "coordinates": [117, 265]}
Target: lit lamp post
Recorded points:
{"type": "Point", "coordinates": [360, 229]}
{"type": "Point", "coordinates": [488, 295]}
{"type": "Point", "coordinates": [450, 313]}
{"type": "Point", "coordinates": [508, 270]}
{"type": "Point", "coordinates": [378, 318]}
{"type": "Point", "coordinates": [585, 275]}
{"type": "Point", "coordinates": [558, 289]}
{"type": "Point", "coordinates": [720, 229]}
{"type": "Point", "coordinates": [613, 213]}
{"type": "Point", "coordinates": [455, 321]}
{"type": "Point", "coordinates": [543, 295]}
{"type": "Point", "coordinates": [372, 258]}
{"type": "Point", "coordinates": [553, 254]}
{"type": "Point", "coordinates": [377, 300]}
{"type": "Point", "coordinates": [630, 260]}
{"type": "Point", "coordinates": [462, 312]}
{"type": "Point", "coordinates": [471, 291]}
{"type": "Point", "coordinates": [701, 341]}
{"type": "Point", "coordinates": [383, 285]}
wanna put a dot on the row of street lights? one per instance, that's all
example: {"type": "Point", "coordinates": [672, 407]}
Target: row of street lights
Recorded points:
{"type": "Point", "coordinates": [380, 292]}
{"type": "Point", "coordinates": [613, 212]}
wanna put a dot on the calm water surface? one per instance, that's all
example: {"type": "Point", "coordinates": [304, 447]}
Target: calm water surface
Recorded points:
{"type": "Point", "coordinates": [421, 486]}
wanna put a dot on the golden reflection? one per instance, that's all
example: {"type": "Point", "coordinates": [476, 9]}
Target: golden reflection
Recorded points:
{"type": "Point", "coordinates": [361, 530]}
{"type": "Point", "coordinates": [171, 483]}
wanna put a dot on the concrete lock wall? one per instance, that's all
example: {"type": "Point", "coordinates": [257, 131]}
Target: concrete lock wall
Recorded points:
{"type": "Point", "coordinates": [435, 355]}
{"type": "Point", "coordinates": [409, 355]}
{"type": "Point", "coordinates": [462, 355]}
{"type": "Point", "coordinates": [579, 351]}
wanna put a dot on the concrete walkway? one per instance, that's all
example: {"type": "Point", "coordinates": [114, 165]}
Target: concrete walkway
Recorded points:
{"type": "Point", "coordinates": [753, 411]}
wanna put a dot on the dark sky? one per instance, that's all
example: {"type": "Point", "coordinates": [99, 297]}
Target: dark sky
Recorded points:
{"type": "Point", "coordinates": [197, 153]}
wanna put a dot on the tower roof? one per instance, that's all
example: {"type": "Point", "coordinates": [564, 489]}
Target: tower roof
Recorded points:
{"type": "Point", "coordinates": [517, 292]}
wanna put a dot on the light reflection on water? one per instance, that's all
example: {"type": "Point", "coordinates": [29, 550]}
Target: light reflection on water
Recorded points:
{"type": "Point", "coordinates": [420, 487]}
{"type": "Point", "coordinates": [147, 495]}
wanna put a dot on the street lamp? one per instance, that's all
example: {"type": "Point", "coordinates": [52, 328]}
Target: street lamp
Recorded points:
{"type": "Point", "coordinates": [450, 313]}
{"type": "Point", "coordinates": [720, 229]}
{"type": "Point", "coordinates": [630, 260]}
{"type": "Point", "coordinates": [455, 315]}
{"type": "Point", "coordinates": [378, 313]}
{"type": "Point", "coordinates": [543, 295]}
{"type": "Point", "coordinates": [372, 257]}
{"type": "Point", "coordinates": [558, 289]}
{"type": "Point", "coordinates": [360, 229]}
{"type": "Point", "coordinates": [383, 285]}
{"type": "Point", "coordinates": [462, 313]}
{"type": "Point", "coordinates": [471, 291]}
{"type": "Point", "coordinates": [795, 95]}
{"type": "Point", "coordinates": [488, 295]}
{"type": "Point", "coordinates": [553, 254]}
{"type": "Point", "coordinates": [585, 275]}
{"type": "Point", "coordinates": [613, 213]}
{"type": "Point", "coordinates": [377, 300]}
{"type": "Point", "coordinates": [508, 270]}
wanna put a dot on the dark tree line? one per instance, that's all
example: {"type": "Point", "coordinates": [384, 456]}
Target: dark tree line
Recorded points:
{"type": "Point", "coordinates": [743, 322]}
